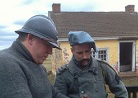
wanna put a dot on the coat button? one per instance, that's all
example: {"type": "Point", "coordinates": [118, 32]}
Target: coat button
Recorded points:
{"type": "Point", "coordinates": [82, 92]}
{"type": "Point", "coordinates": [96, 90]}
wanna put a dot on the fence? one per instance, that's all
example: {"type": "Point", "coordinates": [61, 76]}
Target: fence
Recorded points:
{"type": "Point", "coordinates": [132, 91]}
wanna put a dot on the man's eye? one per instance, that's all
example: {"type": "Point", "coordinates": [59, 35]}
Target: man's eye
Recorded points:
{"type": "Point", "coordinates": [79, 52]}
{"type": "Point", "coordinates": [88, 51]}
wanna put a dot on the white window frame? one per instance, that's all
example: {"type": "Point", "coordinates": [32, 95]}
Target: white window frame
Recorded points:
{"type": "Point", "coordinates": [96, 54]}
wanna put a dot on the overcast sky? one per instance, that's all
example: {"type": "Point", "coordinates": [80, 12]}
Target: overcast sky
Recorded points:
{"type": "Point", "coordinates": [14, 13]}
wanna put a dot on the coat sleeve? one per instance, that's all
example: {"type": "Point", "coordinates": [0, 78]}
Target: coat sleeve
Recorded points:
{"type": "Point", "coordinates": [13, 83]}
{"type": "Point", "coordinates": [114, 82]}
{"type": "Point", "coordinates": [57, 94]}
{"type": "Point", "coordinates": [60, 83]}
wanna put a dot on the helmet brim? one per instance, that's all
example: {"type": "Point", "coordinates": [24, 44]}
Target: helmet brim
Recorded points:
{"type": "Point", "coordinates": [54, 45]}
{"type": "Point", "coordinates": [22, 30]}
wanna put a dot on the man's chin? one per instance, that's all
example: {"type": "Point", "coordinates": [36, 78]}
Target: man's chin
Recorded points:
{"type": "Point", "coordinates": [84, 63]}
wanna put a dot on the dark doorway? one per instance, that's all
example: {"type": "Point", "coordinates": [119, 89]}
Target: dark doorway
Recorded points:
{"type": "Point", "coordinates": [126, 56]}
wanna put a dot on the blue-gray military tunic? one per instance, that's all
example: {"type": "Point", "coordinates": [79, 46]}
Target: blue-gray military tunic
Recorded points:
{"type": "Point", "coordinates": [72, 81]}
{"type": "Point", "coordinates": [20, 77]}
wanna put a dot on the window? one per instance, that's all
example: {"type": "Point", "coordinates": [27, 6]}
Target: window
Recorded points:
{"type": "Point", "coordinates": [102, 54]}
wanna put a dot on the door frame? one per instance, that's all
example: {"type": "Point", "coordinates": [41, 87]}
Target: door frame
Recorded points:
{"type": "Point", "coordinates": [133, 54]}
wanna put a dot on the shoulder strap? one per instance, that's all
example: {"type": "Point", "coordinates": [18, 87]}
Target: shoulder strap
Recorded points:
{"type": "Point", "coordinates": [108, 65]}
{"type": "Point", "coordinates": [62, 69]}
{"type": "Point", "coordinates": [105, 74]}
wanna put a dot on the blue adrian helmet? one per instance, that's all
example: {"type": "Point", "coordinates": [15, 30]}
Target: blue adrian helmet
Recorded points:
{"type": "Point", "coordinates": [81, 37]}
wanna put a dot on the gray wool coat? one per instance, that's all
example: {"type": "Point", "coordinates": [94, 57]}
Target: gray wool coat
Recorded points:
{"type": "Point", "coordinates": [72, 81]}
{"type": "Point", "coordinates": [20, 77]}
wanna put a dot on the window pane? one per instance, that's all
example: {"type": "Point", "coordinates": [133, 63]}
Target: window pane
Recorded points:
{"type": "Point", "coordinates": [102, 54]}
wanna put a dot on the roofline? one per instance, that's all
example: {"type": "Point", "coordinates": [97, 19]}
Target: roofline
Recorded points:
{"type": "Point", "coordinates": [105, 38]}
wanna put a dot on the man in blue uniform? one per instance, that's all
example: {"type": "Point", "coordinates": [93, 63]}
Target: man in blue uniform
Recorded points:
{"type": "Point", "coordinates": [22, 74]}
{"type": "Point", "coordinates": [85, 76]}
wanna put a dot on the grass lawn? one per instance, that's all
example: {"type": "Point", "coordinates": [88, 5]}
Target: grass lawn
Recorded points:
{"type": "Point", "coordinates": [128, 81]}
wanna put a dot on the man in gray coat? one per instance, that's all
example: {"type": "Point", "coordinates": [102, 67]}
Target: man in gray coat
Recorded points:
{"type": "Point", "coordinates": [85, 76]}
{"type": "Point", "coordinates": [22, 74]}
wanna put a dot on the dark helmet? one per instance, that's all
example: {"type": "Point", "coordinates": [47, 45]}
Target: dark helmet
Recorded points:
{"type": "Point", "coordinates": [42, 27]}
{"type": "Point", "coordinates": [81, 37]}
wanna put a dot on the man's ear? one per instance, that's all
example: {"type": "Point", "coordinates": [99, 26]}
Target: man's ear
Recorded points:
{"type": "Point", "coordinates": [30, 38]}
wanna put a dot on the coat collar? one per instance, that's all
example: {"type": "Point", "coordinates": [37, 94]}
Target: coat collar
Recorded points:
{"type": "Point", "coordinates": [75, 70]}
{"type": "Point", "coordinates": [21, 50]}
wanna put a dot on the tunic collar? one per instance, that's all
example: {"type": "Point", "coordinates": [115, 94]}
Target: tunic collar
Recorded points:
{"type": "Point", "coordinates": [75, 70]}
{"type": "Point", "coordinates": [21, 50]}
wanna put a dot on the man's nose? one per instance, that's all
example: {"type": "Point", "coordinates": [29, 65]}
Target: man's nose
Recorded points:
{"type": "Point", "coordinates": [84, 55]}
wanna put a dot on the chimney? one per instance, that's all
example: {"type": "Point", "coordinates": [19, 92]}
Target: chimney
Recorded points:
{"type": "Point", "coordinates": [129, 8]}
{"type": "Point", "coordinates": [56, 7]}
